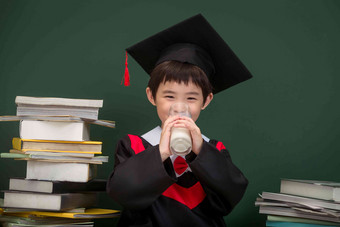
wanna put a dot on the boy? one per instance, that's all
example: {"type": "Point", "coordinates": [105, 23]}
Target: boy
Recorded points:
{"type": "Point", "coordinates": [188, 63]}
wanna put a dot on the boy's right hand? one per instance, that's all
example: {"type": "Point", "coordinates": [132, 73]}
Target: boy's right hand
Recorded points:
{"type": "Point", "coordinates": [164, 143]}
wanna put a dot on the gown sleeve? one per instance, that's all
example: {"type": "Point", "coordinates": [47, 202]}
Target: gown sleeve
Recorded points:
{"type": "Point", "coordinates": [138, 179]}
{"type": "Point", "coordinates": [222, 181]}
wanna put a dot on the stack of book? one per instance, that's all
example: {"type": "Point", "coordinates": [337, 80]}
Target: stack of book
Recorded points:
{"type": "Point", "coordinates": [302, 203]}
{"type": "Point", "coordinates": [60, 183]}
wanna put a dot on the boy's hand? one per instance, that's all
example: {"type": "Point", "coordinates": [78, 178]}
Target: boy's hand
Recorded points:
{"type": "Point", "coordinates": [164, 143]}
{"type": "Point", "coordinates": [196, 136]}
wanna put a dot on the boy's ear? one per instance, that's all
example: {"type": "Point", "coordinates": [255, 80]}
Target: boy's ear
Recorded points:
{"type": "Point", "coordinates": [150, 96]}
{"type": "Point", "coordinates": [207, 101]}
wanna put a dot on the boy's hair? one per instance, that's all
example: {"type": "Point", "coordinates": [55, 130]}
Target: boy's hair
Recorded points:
{"type": "Point", "coordinates": [179, 72]}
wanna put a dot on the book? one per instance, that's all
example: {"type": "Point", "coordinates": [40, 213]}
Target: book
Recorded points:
{"type": "Point", "coordinates": [22, 210]}
{"type": "Point", "coordinates": [290, 212]}
{"type": "Point", "coordinates": [52, 101]}
{"type": "Point", "coordinates": [74, 172]}
{"type": "Point", "coordinates": [264, 202]}
{"type": "Point", "coordinates": [27, 110]}
{"type": "Point", "coordinates": [49, 130]}
{"type": "Point", "coordinates": [45, 201]}
{"type": "Point", "coordinates": [25, 145]}
{"type": "Point", "coordinates": [307, 202]}
{"type": "Point", "coordinates": [306, 208]}
{"type": "Point", "coordinates": [87, 224]}
{"type": "Point", "coordinates": [110, 124]}
{"type": "Point", "coordinates": [55, 158]}
{"type": "Point", "coordinates": [57, 153]}
{"type": "Point", "coordinates": [21, 184]}
{"type": "Point", "coordinates": [13, 219]}
{"type": "Point", "coordinates": [89, 213]}
{"type": "Point", "coordinates": [299, 220]}
{"type": "Point", "coordinates": [293, 224]}
{"type": "Point", "coordinates": [314, 189]}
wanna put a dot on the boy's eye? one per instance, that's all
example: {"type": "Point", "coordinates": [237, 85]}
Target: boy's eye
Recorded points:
{"type": "Point", "coordinates": [191, 98]}
{"type": "Point", "coordinates": [169, 96]}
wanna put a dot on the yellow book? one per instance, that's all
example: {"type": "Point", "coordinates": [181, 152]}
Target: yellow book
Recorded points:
{"type": "Point", "coordinates": [88, 214]}
{"type": "Point", "coordinates": [25, 145]}
{"type": "Point", "coordinates": [20, 214]}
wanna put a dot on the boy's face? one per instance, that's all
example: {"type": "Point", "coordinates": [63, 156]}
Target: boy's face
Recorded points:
{"type": "Point", "coordinates": [172, 92]}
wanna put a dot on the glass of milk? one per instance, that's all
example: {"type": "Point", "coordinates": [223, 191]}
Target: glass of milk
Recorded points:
{"type": "Point", "coordinates": [180, 139]}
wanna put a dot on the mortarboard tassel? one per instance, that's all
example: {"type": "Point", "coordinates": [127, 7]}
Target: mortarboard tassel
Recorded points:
{"type": "Point", "coordinates": [126, 77]}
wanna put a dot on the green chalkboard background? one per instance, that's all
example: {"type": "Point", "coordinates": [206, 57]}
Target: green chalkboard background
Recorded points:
{"type": "Point", "coordinates": [283, 123]}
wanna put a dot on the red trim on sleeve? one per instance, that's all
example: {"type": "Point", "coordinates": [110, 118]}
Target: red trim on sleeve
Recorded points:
{"type": "Point", "coordinates": [220, 146]}
{"type": "Point", "coordinates": [190, 197]}
{"type": "Point", "coordinates": [136, 144]}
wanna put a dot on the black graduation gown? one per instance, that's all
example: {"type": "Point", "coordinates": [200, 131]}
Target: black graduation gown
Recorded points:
{"type": "Point", "coordinates": [152, 195]}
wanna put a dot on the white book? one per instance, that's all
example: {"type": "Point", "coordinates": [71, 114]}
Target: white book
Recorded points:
{"type": "Point", "coordinates": [44, 201]}
{"type": "Point", "coordinates": [309, 188]}
{"type": "Point", "coordinates": [59, 171]}
{"type": "Point", "coordinates": [54, 130]}
{"type": "Point", "coordinates": [51, 101]}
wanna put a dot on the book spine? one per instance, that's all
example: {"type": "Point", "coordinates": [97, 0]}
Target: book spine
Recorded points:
{"type": "Point", "coordinates": [336, 194]}
{"type": "Point", "coordinates": [78, 200]}
{"type": "Point", "coordinates": [73, 187]}
{"type": "Point", "coordinates": [17, 143]}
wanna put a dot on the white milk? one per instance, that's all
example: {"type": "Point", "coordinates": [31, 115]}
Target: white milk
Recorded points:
{"type": "Point", "coordinates": [180, 141]}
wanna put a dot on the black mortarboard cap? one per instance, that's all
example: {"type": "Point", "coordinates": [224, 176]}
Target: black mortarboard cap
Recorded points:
{"type": "Point", "coordinates": [193, 41]}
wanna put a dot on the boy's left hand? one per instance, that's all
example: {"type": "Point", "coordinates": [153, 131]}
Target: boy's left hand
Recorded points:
{"type": "Point", "coordinates": [196, 136]}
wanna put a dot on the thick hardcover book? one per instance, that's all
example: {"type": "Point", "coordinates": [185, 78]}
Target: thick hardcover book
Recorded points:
{"type": "Point", "coordinates": [314, 189]}
{"type": "Point", "coordinates": [20, 184]}
{"type": "Point", "coordinates": [54, 171]}
{"type": "Point", "coordinates": [52, 130]}
{"type": "Point", "coordinates": [52, 202]}
{"type": "Point", "coordinates": [25, 145]}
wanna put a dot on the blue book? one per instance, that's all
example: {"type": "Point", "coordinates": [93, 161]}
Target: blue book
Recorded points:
{"type": "Point", "coordinates": [293, 224]}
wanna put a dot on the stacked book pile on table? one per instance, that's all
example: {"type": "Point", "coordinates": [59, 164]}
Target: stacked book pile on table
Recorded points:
{"type": "Point", "coordinates": [60, 187]}
{"type": "Point", "coordinates": [302, 203]}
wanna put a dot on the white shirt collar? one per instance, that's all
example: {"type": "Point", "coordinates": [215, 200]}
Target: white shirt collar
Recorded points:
{"type": "Point", "coordinates": [153, 136]}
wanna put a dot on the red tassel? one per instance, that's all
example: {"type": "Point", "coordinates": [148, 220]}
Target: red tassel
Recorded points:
{"type": "Point", "coordinates": [126, 77]}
